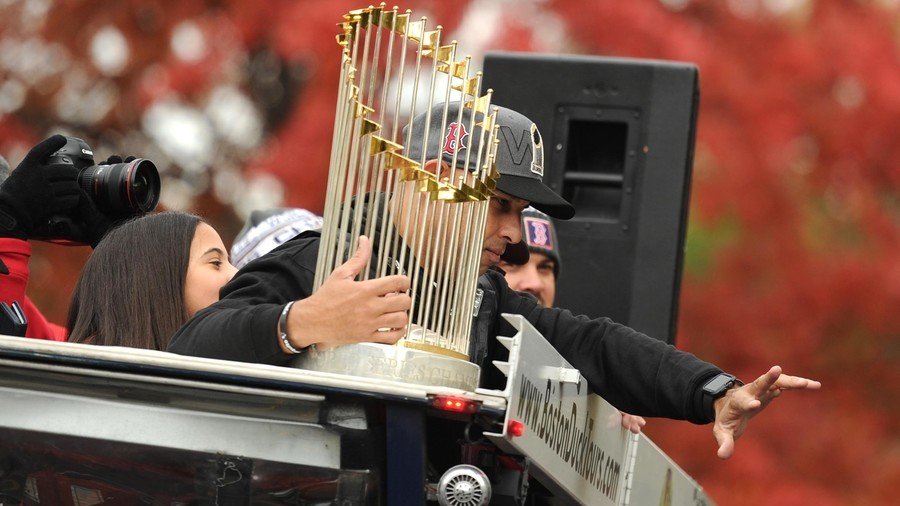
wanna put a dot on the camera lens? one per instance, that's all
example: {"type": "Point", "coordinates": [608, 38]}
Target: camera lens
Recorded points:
{"type": "Point", "coordinates": [144, 186]}
{"type": "Point", "coordinates": [123, 189]}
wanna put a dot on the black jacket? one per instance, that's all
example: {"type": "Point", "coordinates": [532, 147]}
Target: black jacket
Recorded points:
{"type": "Point", "coordinates": [637, 374]}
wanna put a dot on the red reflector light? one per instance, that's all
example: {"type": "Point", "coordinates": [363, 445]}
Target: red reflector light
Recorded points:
{"type": "Point", "coordinates": [454, 404]}
{"type": "Point", "coordinates": [515, 428]}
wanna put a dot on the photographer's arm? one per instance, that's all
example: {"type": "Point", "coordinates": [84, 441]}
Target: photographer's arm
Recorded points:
{"type": "Point", "coordinates": [14, 253]}
{"type": "Point", "coordinates": [30, 194]}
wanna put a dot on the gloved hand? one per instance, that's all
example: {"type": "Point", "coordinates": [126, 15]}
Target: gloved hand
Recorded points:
{"type": "Point", "coordinates": [114, 159]}
{"type": "Point", "coordinates": [37, 190]}
{"type": "Point", "coordinates": [95, 223]}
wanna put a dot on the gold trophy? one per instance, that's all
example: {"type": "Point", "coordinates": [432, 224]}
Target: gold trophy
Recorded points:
{"type": "Point", "coordinates": [426, 220]}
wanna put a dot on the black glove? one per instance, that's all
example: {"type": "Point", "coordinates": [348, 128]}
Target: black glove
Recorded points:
{"type": "Point", "coordinates": [114, 159]}
{"type": "Point", "coordinates": [37, 190]}
{"type": "Point", "coordinates": [95, 223]}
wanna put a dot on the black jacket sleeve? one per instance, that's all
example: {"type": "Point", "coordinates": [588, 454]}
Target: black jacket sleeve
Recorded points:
{"type": "Point", "coordinates": [636, 373]}
{"type": "Point", "coordinates": [243, 325]}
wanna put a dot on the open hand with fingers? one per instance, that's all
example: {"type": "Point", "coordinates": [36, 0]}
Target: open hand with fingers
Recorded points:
{"type": "Point", "coordinates": [345, 311]}
{"type": "Point", "coordinates": [735, 409]}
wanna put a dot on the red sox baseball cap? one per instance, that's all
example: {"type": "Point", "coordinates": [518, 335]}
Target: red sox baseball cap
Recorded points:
{"type": "Point", "coordinates": [520, 153]}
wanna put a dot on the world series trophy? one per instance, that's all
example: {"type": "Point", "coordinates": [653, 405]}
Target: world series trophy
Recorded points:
{"type": "Point", "coordinates": [423, 222]}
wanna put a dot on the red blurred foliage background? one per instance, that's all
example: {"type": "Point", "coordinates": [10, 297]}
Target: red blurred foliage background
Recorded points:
{"type": "Point", "coordinates": [793, 251]}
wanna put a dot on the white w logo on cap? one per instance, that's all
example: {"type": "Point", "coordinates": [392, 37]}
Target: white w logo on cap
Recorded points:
{"type": "Point", "coordinates": [537, 148]}
{"type": "Point", "coordinates": [519, 147]}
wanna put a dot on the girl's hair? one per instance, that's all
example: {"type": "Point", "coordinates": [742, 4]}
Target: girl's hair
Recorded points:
{"type": "Point", "coordinates": [131, 291]}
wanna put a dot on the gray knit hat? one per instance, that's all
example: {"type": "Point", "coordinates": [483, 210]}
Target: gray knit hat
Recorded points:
{"type": "Point", "coordinates": [268, 229]}
{"type": "Point", "coordinates": [520, 154]}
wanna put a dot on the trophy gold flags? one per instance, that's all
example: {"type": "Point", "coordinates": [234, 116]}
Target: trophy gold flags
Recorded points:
{"type": "Point", "coordinates": [412, 167]}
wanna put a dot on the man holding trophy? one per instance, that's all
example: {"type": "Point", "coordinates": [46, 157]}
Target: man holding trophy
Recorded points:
{"type": "Point", "coordinates": [415, 225]}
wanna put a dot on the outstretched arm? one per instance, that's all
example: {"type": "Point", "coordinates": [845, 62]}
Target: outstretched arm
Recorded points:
{"type": "Point", "coordinates": [735, 409]}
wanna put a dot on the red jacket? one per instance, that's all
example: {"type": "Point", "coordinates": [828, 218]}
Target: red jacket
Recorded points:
{"type": "Point", "coordinates": [15, 254]}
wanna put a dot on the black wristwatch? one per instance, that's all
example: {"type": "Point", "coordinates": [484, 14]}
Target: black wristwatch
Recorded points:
{"type": "Point", "coordinates": [719, 384]}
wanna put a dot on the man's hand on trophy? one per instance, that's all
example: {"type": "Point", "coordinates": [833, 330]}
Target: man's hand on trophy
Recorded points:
{"type": "Point", "coordinates": [345, 311]}
{"type": "Point", "coordinates": [735, 409]}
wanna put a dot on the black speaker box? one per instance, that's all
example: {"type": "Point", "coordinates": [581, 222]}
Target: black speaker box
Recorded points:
{"type": "Point", "coordinates": [618, 144]}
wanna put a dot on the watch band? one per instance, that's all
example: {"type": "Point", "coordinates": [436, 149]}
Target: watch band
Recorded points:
{"type": "Point", "coordinates": [719, 384]}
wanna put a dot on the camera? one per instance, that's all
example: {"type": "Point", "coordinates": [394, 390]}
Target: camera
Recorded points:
{"type": "Point", "coordinates": [120, 191]}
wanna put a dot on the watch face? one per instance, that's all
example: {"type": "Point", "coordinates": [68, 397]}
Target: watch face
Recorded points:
{"type": "Point", "coordinates": [718, 384]}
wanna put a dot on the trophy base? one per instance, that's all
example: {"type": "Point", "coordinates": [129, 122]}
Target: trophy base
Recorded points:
{"type": "Point", "coordinates": [393, 363]}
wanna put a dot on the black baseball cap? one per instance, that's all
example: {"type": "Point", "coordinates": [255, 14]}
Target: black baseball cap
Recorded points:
{"type": "Point", "coordinates": [520, 153]}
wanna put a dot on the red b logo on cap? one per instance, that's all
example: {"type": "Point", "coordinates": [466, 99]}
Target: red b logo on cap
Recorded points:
{"type": "Point", "coordinates": [537, 233]}
{"type": "Point", "coordinates": [455, 138]}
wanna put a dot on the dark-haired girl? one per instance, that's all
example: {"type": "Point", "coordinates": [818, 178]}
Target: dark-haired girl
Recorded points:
{"type": "Point", "coordinates": [145, 279]}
